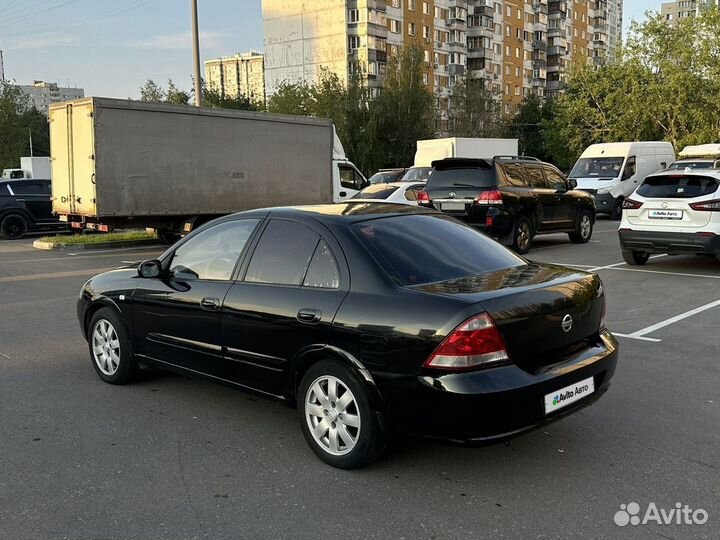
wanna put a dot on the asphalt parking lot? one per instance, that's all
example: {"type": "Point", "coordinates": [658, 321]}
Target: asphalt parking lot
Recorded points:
{"type": "Point", "coordinates": [170, 457]}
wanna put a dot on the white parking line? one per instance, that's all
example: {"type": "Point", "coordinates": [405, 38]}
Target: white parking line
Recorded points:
{"type": "Point", "coordinates": [673, 320]}
{"type": "Point", "coordinates": [654, 340]}
{"type": "Point", "coordinates": [606, 267]}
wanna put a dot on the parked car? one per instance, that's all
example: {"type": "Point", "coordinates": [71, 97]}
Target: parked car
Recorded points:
{"type": "Point", "coordinates": [25, 206]}
{"type": "Point", "coordinates": [510, 198]}
{"type": "Point", "coordinates": [386, 176]}
{"type": "Point", "coordinates": [368, 318]}
{"type": "Point", "coordinates": [396, 192]}
{"type": "Point", "coordinates": [672, 212]}
{"type": "Point", "coordinates": [416, 174]}
{"type": "Point", "coordinates": [703, 156]}
{"type": "Point", "coordinates": [683, 164]}
{"type": "Point", "coordinates": [612, 171]}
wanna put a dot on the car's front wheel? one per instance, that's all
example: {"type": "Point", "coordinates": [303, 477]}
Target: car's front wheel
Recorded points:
{"type": "Point", "coordinates": [13, 226]}
{"type": "Point", "coordinates": [583, 228]}
{"type": "Point", "coordinates": [337, 417]}
{"type": "Point", "coordinates": [110, 348]}
{"type": "Point", "coordinates": [635, 257]}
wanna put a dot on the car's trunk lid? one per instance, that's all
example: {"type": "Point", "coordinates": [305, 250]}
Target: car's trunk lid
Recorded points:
{"type": "Point", "coordinates": [544, 312]}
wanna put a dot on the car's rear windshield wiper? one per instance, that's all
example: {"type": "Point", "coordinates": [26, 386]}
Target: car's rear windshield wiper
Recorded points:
{"type": "Point", "coordinates": [457, 184]}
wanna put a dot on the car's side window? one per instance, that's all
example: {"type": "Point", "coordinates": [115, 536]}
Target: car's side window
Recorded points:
{"type": "Point", "coordinates": [323, 270]}
{"type": "Point", "coordinates": [535, 175]}
{"type": "Point", "coordinates": [282, 254]}
{"type": "Point", "coordinates": [514, 174]}
{"type": "Point", "coordinates": [630, 168]}
{"type": "Point", "coordinates": [350, 178]}
{"type": "Point", "coordinates": [28, 188]}
{"type": "Point", "coordinates": [213, 253]}
{"type": "Point", "coordinates": [555, 180]}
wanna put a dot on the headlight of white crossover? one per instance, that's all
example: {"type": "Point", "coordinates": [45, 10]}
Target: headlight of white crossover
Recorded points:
{"type": "Point", "coordinates": [603, 190]}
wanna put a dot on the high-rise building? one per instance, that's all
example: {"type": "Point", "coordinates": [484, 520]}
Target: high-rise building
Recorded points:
{"type": "Point", "coordinates": [682, 9]}
{"type": "Point", "coordinates": [238, 75]}
{"type": "Point", "coordinates": [42, 94]}
{"type": "Point", "coordinates": [518, 46]}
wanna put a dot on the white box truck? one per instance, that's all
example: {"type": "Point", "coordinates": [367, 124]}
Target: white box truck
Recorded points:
{"type": "Point", "coordinates": [123, 163]}
{"type": "Point", "coordinates": [435, 149]}
{"type": "Point", "coordinates": [612, 171]}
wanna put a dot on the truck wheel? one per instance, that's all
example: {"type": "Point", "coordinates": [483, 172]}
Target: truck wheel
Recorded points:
{"type": "Point", "coordinates": [635, 257]}
{"type": "Point", "coordinates": [522, 239]}
{"type": "Point", "coordinates": [13, 226]}
{"type": "Point", "coordinates": [583, 229]}
{"type": "Point", "coordinates": [616, 212]}
{"type": "Point", "coordinates": [167, 237]}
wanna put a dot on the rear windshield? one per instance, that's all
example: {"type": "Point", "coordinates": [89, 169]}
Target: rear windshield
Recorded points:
{"type": "Point", "coordinates": [376, 191]}
{"type": "Point", "coordinates": [692, 165]}
{"type": "Point", "coordinates": [677, 187]}
{"type": "Point", "coordinates": [470, 177]}
{"type": "Point", "coordinates": [417, 173]}
{"type": "Point", "coordinates": [604, 167]}
{"type": "Point", "coordinates": [418, 249]}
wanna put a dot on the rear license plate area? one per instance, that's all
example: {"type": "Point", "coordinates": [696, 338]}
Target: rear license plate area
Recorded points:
{"type": "Point", "coordinates": [665, 214]}
{"type": "Point", "coordinates": [453, 207]}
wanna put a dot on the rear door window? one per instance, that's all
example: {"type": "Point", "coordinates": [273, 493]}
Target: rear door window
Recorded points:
{"type": "Point", "coordinates": [28, 188]}
{"type": "Point", "coordinates": [283, 253]}
{"type": "Point", "coordinates": [535, 177]}
{"type": "Point", "coordinates": [416, 249]}
{"type": "Point", "coordinates": [677, 187]}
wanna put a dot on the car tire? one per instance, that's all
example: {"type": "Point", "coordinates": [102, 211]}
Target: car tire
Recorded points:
{"type": "Point", "coordinates": [522, 235]}
{"type": "Point", "coordinates": [616, 212]}
{"type": "Point", "coordinates": [13, 226]}
{"type": "Point", "coordinates": [583, 228]}
{"type": "Point", "coordinates": [344, 432]}
{"type": "Point", "coordinates": [111, 350]}
{"type": "Point", "coordinates": [635, 257]}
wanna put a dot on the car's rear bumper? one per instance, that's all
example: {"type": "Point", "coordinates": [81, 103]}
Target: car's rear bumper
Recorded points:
{"type": "Point", "coordinates": [487, 406]}
{"type": "Point", "coordinates": [669, 242]}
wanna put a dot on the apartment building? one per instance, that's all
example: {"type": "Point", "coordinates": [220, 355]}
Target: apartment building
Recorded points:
{"type": "Point", "coordinates": [238, 75]}
{"type": "Point", "coordinates": [681, 9]}
{"type": "Point", "coordinates": [518, 47]}
{"type": "Point", "coordinates": [42, 94]}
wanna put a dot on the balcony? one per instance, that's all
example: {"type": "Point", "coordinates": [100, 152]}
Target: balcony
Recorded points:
{"type": "Point", "coordinates": [379, 5]}
{"type": "Point", "coordinates": [539, 45]}
{"type": "Point", "coordinates": [556, 50]}
{"type": "Point", "coordinates": [480, 52]}
{"type": "Point", "coordinates": [539, 7]}
{"type": "Point", "coordinates": [557, 7]}
{"type": "Point", "coordinates": [456, 69]}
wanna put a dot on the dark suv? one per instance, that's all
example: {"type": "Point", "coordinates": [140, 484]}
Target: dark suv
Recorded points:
{"type": "Point", "coordinates": [26, 205]}
{"type": "Point", "coordinates": [510, 198]}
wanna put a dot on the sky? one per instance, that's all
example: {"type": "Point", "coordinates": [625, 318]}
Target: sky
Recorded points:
{"type": "Point", "coordinates": [111, 47]}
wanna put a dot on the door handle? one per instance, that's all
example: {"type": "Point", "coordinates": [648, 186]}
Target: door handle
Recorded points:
{"type": "Point", "coordinates": [309, 316]}
{"type": "Point", "coordinates": [210, 304]}
{"type": "Point", "coordinates": [343, 193]}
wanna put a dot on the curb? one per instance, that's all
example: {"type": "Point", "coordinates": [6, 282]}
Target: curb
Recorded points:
{"type": "Point", "coordinates": [39, 244]}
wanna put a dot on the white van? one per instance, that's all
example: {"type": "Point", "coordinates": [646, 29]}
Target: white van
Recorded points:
{"type": "Point", "coordinates": [612, 171]}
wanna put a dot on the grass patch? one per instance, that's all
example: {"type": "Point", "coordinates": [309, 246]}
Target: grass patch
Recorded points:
{"type": "Point", "coordinates": [76, 239]}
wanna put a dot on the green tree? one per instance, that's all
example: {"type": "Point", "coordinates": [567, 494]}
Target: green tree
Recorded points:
{"type": "Point", "coordinates": [176, 95]}
{"type": "Point", "coordinates": [291, 98]}
{"type": "Point", "coordinates": [474, 111]}
{"type": "Point", "coordinates": [214, 98]}
{"type": "Point", "coordinates": [153, 92]}
{"type": "Point", "coordinates": [18, 120]}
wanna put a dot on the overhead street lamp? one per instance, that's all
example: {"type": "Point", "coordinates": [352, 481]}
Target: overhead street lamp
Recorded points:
{"type": "Point", "coordinates": [196, 54]}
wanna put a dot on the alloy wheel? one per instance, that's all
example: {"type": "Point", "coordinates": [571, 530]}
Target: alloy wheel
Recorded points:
{"type": "Point", "coordinates": [523, 236]}
{"type": "Point", "coordinates": [106, 347]}
{"type": "Point", "coordinates": [585, 226]}
{"type": "Point", "coordinates": [332, 414]}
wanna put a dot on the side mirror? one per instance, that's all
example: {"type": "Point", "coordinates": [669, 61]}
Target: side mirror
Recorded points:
{"type": "Point", "coordinates": [572, 182]}
{"type": "Point", "coordinates": [150, 269]}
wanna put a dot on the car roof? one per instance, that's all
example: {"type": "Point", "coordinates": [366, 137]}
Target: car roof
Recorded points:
{"type": "Point", "coordinates": [340, 213]}
{"type": "Point", "coordinates": [404, 184]}
{"type": "Point", "coordinates": [715, 173]}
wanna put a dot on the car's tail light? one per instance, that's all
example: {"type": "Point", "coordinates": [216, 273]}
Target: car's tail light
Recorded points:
{"type": "Point", "coordinates": [475, 343]}
{"type": "Point", "coordinates": [423, 197]}
{"type": "Point", "coordinates": [630, 204]}
{"type": "Point", "coordinates": [492, 196]}
{"type": "Point", "coordinates": [708, 206]}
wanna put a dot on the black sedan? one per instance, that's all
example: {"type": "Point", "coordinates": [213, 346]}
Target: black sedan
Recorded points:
{"type": "Point", "coordinates": [371, 318]}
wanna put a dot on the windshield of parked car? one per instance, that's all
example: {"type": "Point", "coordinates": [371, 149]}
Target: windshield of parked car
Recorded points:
{"type": "Point", "coordinates": [471, 177]}
{"type": "Point", "coordinates": [692, 165]}
{"type": "Point", "coordinates": [376, 191]}
{"type": "Point", "coordinates": [385, 177]}
{"type": "Point", "coordinates": [417, 249]}
{"type": "Point", "coordinates": [677, 186]}
{"type": "Point", "coordinates": [603, 167]}
{"type": "Point", "coordinates": [416, 173]}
